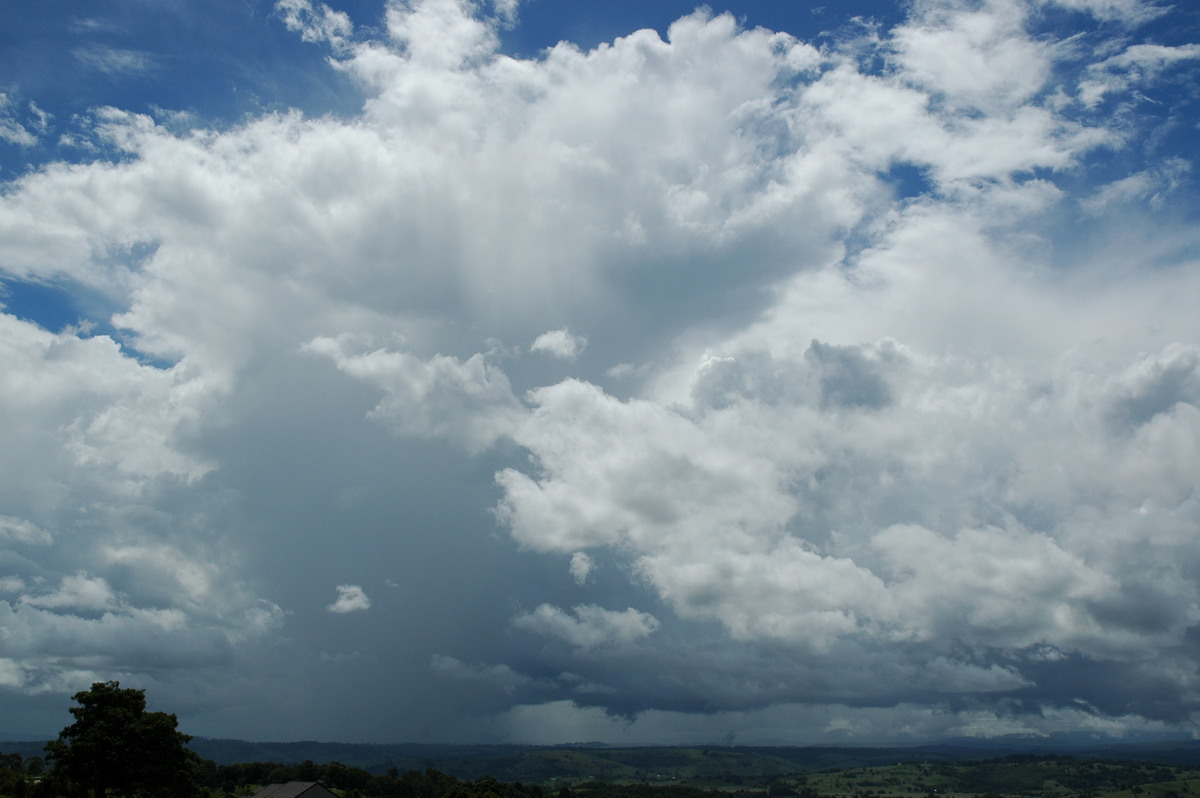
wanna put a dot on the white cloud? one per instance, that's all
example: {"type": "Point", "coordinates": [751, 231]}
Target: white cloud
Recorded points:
{"type": "Point", "coordinates": [591, 627]}
{"type": "Point", "coordinates": [80, 592]}
{"type": "Point", "coordinates": [440, 33]}
{"type": "Point", "coordinates": [581, 567]}
{"type": "Point", "coordinates": [167, 574]}
{"type": "Point", "coordinates": [501, 676]}
{"type": "Point", "coordinates": [12, 584]}
{"type": "Point", "coordinates": [972, 57]}
{"type": "Point", "coordinates": [1013, 589]}
{"type": "Point", "coordinates": [470, 401]}
{"type": "Point", "coordinates": [560, 344]}
{"type": "Point", "coordinates": [351, 598]}
{"type": "Point", "coordinates": [1152, 186]}
{"type": "Point", "coordinates": [115, 61]}
{"type": "Point", "coordinates": [11, 673]}
{"type": "Point", "coordinates": [1149, 59]}
{"type": "Point", "coordinates": [803, 724]}
{"type": "Point", "coordinates": [506, 10]}
{"type": "Point", "coordinates": [811, 549]}
{"type": "Point", "coordinates": [902, 441]}
{"type": "Point", "coordinates": [618, 472]}
{"type": "Point", "coordinates": [14, 131]}
{"type": "Point", "coordinates": [1128, 11]}
{"type": "Point", "coordinates": [103, 410]}
{"type": "Point", "coordinates": [1134, 66]}
{"type": "Point", "coordinates": [67, 635]}
{"type": "Point", "coordinates": [22, 531]}
{"type": "Point", "coordinates": [317, 23]}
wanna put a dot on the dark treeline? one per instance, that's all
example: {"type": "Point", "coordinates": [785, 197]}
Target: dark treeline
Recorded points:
{"type": "Point", "coordinates": [27, 777]}
{"type": "Point", "coordinates": [1046, 777]}
{"type": "Point", "coordinates": [117, 747]}
{"type": "Point", "coordinates": [358, 783]}
{"type": "Point", "coordinates": [18, 774]}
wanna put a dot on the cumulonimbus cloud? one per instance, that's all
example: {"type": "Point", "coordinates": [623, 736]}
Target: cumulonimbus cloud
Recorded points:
{"type": "Point", "coordinates": [857, 397]}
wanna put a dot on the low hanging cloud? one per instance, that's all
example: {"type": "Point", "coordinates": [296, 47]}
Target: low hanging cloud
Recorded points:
{"type": "Point", "coordinates": [560, 344]}
{"type": "Point", "coordinates": [21, 530]}
{"type": "Point", "coordinates": [80, 591]}
{"type": "Point", "coordinates": [470, 401]}
{"type": "Point", "coordinates": [350, 598]}
{"type": "Point", "coordinates": [501, 676]}
{"type": "Point", "coordinates": [581, 567]}
{"type": "Point", "coordinates": [588, 626]}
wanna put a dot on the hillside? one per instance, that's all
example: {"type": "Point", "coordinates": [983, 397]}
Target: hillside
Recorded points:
{"type": "Point", "coordinates": [944, 769]}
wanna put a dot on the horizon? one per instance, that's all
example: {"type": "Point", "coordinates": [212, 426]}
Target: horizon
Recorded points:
{"type": "Point", "coordinates": [528, 370]}
{"type": "Point", "coordinates": [1057, 742]}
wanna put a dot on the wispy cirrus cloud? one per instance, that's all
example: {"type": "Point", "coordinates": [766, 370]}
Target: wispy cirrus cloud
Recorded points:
{"type": "Point", "coordinates": [22, 129]}
{"type": "Point", "coordinates": [116, 61]}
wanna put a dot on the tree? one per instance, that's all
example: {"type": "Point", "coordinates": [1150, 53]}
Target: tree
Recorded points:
{"type": "Point", "coordinates": [116, 746]}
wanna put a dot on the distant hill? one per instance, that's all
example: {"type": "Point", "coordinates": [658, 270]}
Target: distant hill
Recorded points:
{"type": "Point", "coordinates": [696, 765]}
{"type": "Point", "coordinates": [537, 763]}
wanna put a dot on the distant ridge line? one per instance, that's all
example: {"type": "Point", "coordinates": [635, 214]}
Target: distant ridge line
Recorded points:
{"type": "Point", "coordinates": [692, 763]}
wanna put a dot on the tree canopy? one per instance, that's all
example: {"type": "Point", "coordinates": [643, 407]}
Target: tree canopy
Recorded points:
{"type": "Point", "coordinates": [116, 747]}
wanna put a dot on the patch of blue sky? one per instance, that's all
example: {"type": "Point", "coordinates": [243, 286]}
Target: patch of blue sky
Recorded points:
{"type": "Point", "coordinates": [49, 306]}
{"type": "Point", "coordinates": [221, 62]}
{"type": "Point", "coordinates": [545, 23]}
{"type": "Point", "coordinates": [909, 180]}
{"type": "Point", "coordinates": [70, 309]}
{"type": "Point", "coordinates": [214, 66]}
{"type": "Point", "coordinates": [64, 305]}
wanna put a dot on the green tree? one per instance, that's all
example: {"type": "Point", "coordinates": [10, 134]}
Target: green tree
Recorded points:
{"type": "Point", "coordinates": [116, 747]}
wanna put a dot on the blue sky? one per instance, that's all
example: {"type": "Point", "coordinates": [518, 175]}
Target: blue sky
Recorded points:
{"type": "Point", "coordinates": [546, 371]}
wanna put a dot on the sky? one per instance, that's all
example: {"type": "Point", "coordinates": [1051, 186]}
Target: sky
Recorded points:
{"type": "Point", "coordinates": [537, 371]}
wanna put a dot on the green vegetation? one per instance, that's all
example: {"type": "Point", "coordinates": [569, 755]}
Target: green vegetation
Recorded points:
{"type": "Point", "coordinates": [17, 774]}
{"type": "Point", "coordinates": [1024, 775]}
{"type": "Point", "coordinates": [115, 748]}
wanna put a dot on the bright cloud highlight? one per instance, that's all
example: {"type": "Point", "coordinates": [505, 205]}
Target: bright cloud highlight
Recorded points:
{"type": "Point", "coordinates": [351, 598]}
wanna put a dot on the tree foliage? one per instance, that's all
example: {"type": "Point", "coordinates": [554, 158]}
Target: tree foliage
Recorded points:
{"type": "Point", "coordinates": [116, 747]}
